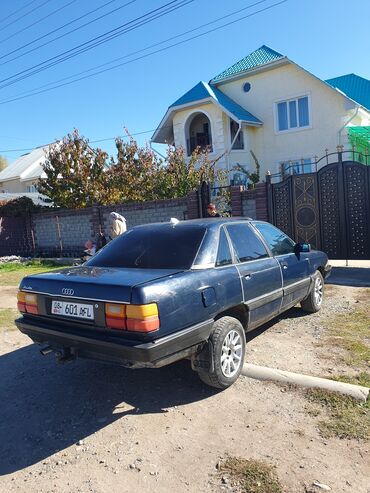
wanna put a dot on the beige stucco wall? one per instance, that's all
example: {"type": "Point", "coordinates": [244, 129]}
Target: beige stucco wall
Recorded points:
{"type": "Point", "coordinates": [220, 128]}
{"type": "Point", "coordinates": [10, 186]}
{"type": "Point", "coordinates": [329, 111]}
{"type": "Point", "coordinates": [215, 115]}
{"type": "Point", "coordinates": [16, 186]}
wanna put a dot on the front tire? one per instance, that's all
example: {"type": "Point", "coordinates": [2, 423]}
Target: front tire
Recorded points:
{"type": "Point", "coordinates": [227, 345]}
{"type": "Point", "coordinates": [313, 302]}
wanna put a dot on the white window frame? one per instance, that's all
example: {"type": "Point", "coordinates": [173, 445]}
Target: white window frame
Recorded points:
{"type": "Point", "coordinates": [287, 100]}
{"type": "Point", "coordinates": [231, 138]}
{"type": "Point", "coordinates": [31, 188]}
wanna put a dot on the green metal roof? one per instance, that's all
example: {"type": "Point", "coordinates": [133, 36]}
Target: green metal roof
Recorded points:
{"type": "Point", "coordinates": [259, 57]}
{"type": "Point", "coordinates": [359, 137]}
{"type": "Point", "coordinates": [203, 90]}
{"type": "Point", "coordinates": [354, 86]}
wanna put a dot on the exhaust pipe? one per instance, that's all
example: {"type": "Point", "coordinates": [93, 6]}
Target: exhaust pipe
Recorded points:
{"type": "Point", "coordinates": [46, 350]}
{"type": "Point", "coordinates": [65, 355]}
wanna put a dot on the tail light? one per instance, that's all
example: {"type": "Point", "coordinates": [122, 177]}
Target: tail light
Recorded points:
{"type": "Point", "coordinates": [142, 318]}
{"type": "Point", "coordinates": [115, 316]}
{"type": "Point", "coordinates": [27, 302]}
{"type": "Point", "coordinates": [136, 318]}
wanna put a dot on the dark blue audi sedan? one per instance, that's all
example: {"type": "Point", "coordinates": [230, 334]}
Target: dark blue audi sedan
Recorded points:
{"type": "Point", "coordinates": [167, 291]}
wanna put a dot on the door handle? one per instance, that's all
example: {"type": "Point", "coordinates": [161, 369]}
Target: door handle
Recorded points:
{"type": "Point", "coordinates": [284, 265]}
{"type": "Point", "coordinates": [247, 276]}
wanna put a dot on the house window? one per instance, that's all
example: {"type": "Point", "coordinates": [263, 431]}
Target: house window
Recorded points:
{"type": "Point", "coordinates": [293, 114]}
{"type": "Point", "coordinates": [31, 189]}
{"type": "Point", "coordinates": [199, 134]}
{"type": "Point", "coordinates": [239, 141]}
{"type": "Point", "coordinates": [295, 167]}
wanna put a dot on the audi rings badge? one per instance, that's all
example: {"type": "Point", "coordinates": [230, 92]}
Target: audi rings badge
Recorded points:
{"type": "Point", "coordinates": [68, 291]}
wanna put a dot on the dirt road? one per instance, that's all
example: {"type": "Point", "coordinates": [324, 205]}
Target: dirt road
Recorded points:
{"type": "Point", "coordinates": [87, 427]}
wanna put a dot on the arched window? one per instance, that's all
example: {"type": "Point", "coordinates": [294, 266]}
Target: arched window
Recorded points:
{"type": "Point", "coordinates": [198, 133]}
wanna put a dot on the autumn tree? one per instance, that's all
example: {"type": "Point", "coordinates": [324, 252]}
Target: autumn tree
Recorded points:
{"type": "Point", "coordinates": [79, 176]}
{"type": "Point", "coordinates": [135, 174]}
{"type": "Point", "coordinates": [138, 174]}
{"type": "Point", "coordinates": [75, 173]}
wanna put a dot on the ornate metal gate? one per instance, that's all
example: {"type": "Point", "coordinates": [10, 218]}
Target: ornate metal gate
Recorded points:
{"type": "Point", "coordinates": [329, 208]}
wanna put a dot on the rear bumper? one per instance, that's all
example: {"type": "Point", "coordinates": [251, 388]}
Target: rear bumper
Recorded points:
{"type": "Point", "coordinates": [113, 349]}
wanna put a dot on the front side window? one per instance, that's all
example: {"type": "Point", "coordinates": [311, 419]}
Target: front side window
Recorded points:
{"type": "Point", "coordinates": [292, 114]}
{"type": "Point", "coordinates": [239, 141]}
{"type": "Point", "coordinates": [278, 242]}
{"type": "Point", "coordinates": [247, 245]}
{"type": "Point", "coordinates": [223, 254]}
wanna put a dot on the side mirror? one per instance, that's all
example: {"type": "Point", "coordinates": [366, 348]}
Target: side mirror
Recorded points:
{"type": "Point", "coordinates": [302, 247]}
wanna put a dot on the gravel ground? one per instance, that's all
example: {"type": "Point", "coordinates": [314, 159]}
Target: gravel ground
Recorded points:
{"type": "Point", "coordinates": [87, 427]}
{"type": "Point", "coordinates": [305, 336]}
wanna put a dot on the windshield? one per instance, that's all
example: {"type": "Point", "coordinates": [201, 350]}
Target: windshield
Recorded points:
{"type": "Point", "coordinates": [152, 247]}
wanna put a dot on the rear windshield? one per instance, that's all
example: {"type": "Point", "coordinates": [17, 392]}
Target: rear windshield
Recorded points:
{"type": "Point", "coordinates": [165, 247]}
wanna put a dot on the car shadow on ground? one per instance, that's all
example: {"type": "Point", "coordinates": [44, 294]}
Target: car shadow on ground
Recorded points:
{"type": "Point", "coordinates": [47, 407]}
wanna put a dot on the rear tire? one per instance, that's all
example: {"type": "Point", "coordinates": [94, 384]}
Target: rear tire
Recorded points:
{"type": "Point", "coordinates": [227, 353]}
{"type": "Point", "coordinates": [313, 302]}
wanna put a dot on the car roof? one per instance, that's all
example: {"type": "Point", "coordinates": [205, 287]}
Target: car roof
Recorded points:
{"type": "Point", "coordinates": [205, 222]}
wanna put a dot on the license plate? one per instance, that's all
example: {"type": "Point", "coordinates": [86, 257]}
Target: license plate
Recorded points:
{"type": "Point", "coordinates": [69, 309]}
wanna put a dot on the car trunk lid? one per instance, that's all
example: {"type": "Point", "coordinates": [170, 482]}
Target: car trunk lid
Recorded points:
{"type": "Point", "coordinates": [92, 283]}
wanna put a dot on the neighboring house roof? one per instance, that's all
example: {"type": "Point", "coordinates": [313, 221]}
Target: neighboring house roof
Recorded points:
{"type": "Point", "coordinates": [26, 167]}
{"type": "Point", "coordinates": [353, 86]}
{"type": "Point", "coordinates": [204, 91]}
{"type": "Point", "coordinates": [257, 58]}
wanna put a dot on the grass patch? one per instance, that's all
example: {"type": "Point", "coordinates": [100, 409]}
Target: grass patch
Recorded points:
{"type": "Point", "coordinates": [7, 317]}
{"type": "Point", "coordinates": [362, 378]}
{"type": "Point", "coordinates": [350, 331]}
{"type": "Point", "coordinates": [346, 417]}
{"type": "Point", "coordinates": [11, 274]}
{"type": "Point", "coordinates": [252, 476]}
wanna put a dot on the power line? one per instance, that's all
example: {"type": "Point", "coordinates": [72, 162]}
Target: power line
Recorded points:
{"type": "Point", "coordinates": [37, 91]}
{"type": "Point", "coordinates": [235, 12]}
{"type": "Point", "coordinates": [58, 29]}
{"type": "Point", "coordinates": [16, 11]}
{"type": "Point", "coordinates": [103, 38]}
{"type": "Point", "coordinates": [90, 141]}
{"type": "Point", "coordinates": [39, 20]}
{"type": "Point", "coordinates": [24, 15]}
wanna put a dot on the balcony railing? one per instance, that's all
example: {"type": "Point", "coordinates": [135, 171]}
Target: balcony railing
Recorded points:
{"type": "Point", "coordinates": [203, 141]}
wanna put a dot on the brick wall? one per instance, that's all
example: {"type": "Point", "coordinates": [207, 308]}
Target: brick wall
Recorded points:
{"type": "Point", "coordinates": [255, 202]}
{"type": "Point", "coordinates": [250, 203]}
{"type": "Point", "coordinates": [142, 213]}
{"type": "Point", "coordinates": [64, 232]}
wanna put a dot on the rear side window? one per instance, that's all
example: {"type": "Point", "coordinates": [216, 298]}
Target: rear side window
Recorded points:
{"type": "Point", "coordinates": [152, 247]}
{"type": "Point", "coordinates": [278, 242]}
{"type": "Point", "coordinates": [223, 254]}
{"type": "Point", "coordinates": [246, 244]}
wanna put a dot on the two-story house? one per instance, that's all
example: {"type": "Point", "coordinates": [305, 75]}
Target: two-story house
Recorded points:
{"type": "Point", "coordinates": [267, 109]}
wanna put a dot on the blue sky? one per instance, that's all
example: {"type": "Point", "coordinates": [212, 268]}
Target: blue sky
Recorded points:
{"type": "Point", "coordinates": [326, 37]}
